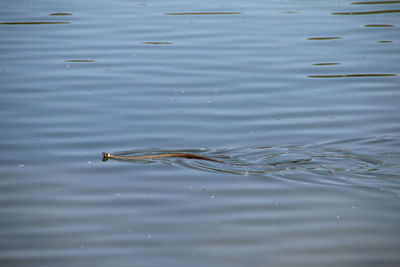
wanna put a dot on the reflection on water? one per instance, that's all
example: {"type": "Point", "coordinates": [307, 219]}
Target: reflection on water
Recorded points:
{"type": "Point", "coordinates": [326, 64]}
{"type": "Point", "coordinates": [80, 60]}
{"type": "Point", "coordinates": [368, 12]}
{"type": "Point", "coordinates": [324, 38]}
{"type": "Point", "coordinates": [378, 25]}
{"type": "Point", "coordinates": [34, 22]}
{"type": "Point", "coordinates": [375, 3]}
{"type": "Point", "coordinates": [204, 13]}
{"type": "Point", "coordinates": [352, 75]}
{"type": "Point", "coordinates": [157, 43]}
{"type": "Point", "coordinates": [60, 14]}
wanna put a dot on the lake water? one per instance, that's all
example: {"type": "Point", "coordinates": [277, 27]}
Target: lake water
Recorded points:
{"type": "Point", "coordinates": [299, 99]}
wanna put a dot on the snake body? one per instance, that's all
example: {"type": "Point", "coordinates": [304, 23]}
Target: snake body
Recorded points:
{"type": "Point", "coordinates": [107, 156]}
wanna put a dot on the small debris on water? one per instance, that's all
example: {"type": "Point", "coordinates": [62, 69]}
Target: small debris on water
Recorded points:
{"type": "Point", "coordinates": [21, 165]}
{"type": "Point", "coordinates": [60, 14]}
{"type": "Point", "coordinates": [80, 60]}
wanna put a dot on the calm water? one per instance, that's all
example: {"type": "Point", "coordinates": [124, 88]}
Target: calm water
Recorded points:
{"type": "Point", "coordinates": [299, 98]}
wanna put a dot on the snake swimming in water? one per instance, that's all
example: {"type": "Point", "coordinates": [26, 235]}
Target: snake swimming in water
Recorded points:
{"type": "Point", "coordinates": [107, 156]}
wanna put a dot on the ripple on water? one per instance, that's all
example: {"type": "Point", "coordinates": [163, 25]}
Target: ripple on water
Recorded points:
{"type": "Point", "coordinates": [318, 164]}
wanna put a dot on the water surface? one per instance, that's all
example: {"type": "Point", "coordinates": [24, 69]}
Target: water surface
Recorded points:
{"type": "Point", "coordinates": [299, 98]}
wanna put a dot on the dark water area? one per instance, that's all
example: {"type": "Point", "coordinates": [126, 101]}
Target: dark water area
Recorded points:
{"type": "Point", "coordinates": [299, 100]}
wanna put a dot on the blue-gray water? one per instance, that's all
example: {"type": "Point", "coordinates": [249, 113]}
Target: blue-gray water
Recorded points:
{"type": "Point", "coordinates": [299, 98]}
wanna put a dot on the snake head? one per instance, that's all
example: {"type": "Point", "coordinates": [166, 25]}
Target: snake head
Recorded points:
{"type": "Point", "coordinates": [106, 156]}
